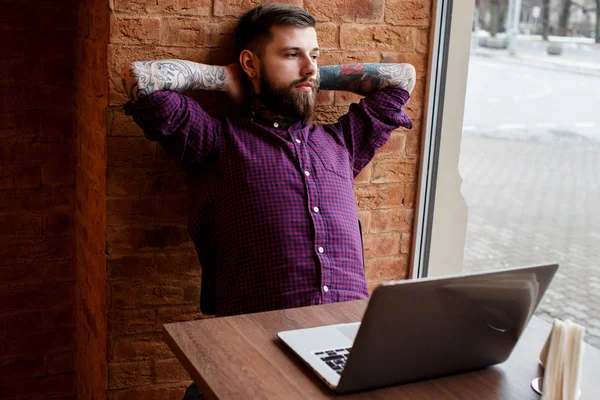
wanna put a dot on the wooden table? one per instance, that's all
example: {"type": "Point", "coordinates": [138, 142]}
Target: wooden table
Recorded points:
{"type": "Point", "coordinates": [241, 357]}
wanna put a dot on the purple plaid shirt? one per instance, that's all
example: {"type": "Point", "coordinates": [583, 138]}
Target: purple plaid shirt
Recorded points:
{"type": "Point", "coordinates": [273, 209]}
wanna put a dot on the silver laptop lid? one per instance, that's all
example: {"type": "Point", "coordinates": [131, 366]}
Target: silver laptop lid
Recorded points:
{"type": "Point", "coordinates": [419, 329]}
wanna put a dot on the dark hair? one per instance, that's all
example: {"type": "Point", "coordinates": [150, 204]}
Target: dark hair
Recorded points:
{"type": "Point", "coordinates": [254, 28]}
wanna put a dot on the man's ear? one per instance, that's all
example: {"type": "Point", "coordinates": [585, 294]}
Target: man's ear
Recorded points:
{"type": "Point", "coordinates": [249, 63]}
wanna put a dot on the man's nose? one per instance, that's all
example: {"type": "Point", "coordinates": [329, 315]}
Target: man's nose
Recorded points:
{"type": "Point", "coordinates": [309, 67]}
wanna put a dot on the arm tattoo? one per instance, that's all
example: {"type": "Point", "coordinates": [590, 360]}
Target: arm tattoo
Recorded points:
{"type": "Point", "coordinates": [367, 78]}
{"type": "Point", "coordinates": [145, 77]}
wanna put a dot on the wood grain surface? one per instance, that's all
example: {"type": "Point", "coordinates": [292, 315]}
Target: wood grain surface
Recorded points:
{"type": "Point", "coordinates": [242, 357]}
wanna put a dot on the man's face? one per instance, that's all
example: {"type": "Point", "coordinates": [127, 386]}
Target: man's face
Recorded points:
{"type": "Point", "coordinates": [288, 71]}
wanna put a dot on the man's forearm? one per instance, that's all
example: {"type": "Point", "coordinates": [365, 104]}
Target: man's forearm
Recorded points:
{"type": "Point", "coordinates": [144, 77]}
{"type": "Point", "coordinates": [367, 78]}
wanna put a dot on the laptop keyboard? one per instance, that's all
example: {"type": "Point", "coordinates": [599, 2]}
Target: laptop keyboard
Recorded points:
{"type": "Point", "coordinates": [335, 358]}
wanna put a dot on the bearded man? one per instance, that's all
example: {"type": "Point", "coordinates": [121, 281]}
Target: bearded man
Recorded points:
{"type": "Point", "coordinates": [273, 214]}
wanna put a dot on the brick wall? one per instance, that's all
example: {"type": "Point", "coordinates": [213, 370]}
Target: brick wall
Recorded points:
{"type": "Point", "coordinates": [37, 179]}
{"type": "Point", "coordinates": [90, 213]}
{"type": "Point", "coordinates": [152, 271]}
{"type": "Point", "coordinates": [120, 198]}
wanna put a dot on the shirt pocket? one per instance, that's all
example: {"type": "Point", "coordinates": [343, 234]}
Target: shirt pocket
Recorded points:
{"type": "Point", "coordinates": [334, 157]}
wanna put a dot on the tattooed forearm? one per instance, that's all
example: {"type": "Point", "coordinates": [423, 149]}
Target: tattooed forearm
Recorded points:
{"type": "Point", "coordinates": [144, 77]}
{"type": "Point", "coordinates": [367, 78]}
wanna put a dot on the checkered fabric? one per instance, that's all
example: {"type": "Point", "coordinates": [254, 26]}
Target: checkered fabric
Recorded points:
{"type": "Point", "coordinates": [273, 214]}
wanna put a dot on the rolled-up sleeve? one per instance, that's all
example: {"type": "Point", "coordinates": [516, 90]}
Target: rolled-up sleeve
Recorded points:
{"type": "Point", "coordinates": [368, 125]}
{"type": "Point", "coordinates": [179, 124]}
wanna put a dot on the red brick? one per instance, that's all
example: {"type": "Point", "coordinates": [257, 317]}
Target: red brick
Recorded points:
{"type": "Point", "coordinates": [182, 32]}
{"type": "Point", "coordinates": [59, 18]}
{"type": "Point", "coordinates": [408, 13]}
{"type": "Point", "coordinates": [346, 10]}
{"type": "Point", "coordinates": [14, 325]}
{"type": "Point", "coordinates": [157, 392]}
{"type": "Point", "coordinates": [135, 30]}
{"type": "Point", "coordinates": [169, 370]}
{"type": "Point", "coordinates": [186, 7]}
{"type": "Point", "coordinates": [121, 125]}
{"type": "Point", "coordinates": [130, 266]}
{"type": "Point", "coordinates": [41, 249]}
{"type": "Point", "coordinates": [19, 70]}
{"type": "Point", "coordinates": [136, 294]}
{"type": "Point", "coordinates": [22, 177]}
{"type": "Point", "coordinates": [405, 244]}
{"type": "Point", "coordinates": [100, 22]}
{"type": "Point", "coordinates": [371, 196]}
{"type": "Point", "coordinates": [139, 347]}
{"type": "Point", "coordinates": [364, 176]}
{"type": "Point", "coordinates": [131, 152]}
{"type": "Point", "coordinates": [395, 219]}
{"type": "Point", "coordinates": [57, 69]}
{"type": "Point", "coordinates": [388, 170]}
{"type": "Point", "coordinates": [172, 207]}
{"type": "Point", "coordinates": [60, 317]}
{"type": "Point", "coordinates": [328, 114]}
{"type": "Point", "coordinates": [127, 322]}
{"type": "Point", "coordinates": [138, 238]}
{"type": "Point", "coordinates": [377, 37]}
{"type": "Point", "coordinates": [36, 273]}
{"type": "Point", "coordinates": [343, 98]}
{"type": "Point", "coordinates": [38, 342]}
{"type": "Point", "coordinates": [328, 35]}
{"type": "Point", "coordinates": [138, 181]}
{"type": "Point", "coordinates": [35, 200]}
{"type": "Point", "coordinates": [417, 60]}
{"type": "Point", "coordinates": [382, 244]}
{"type": "Point", "coordinates": [19, 124]}
{"type": "Point", "coordinates": [396, 146]}
{"type": "Point", "coordinates": [325, 98]}
{"type": "Point", "coordinates": [21, 226]}
{"type": "Point", "coordinates": [13, 152]}
{"type": "Point", "coordinates": [178, 264]}
{"type": "Point", "coordinates": [365, 220]}
{"type": "Point", "coordinates": [124, 211]}
{"type": "Point", "coordinates": [61, 270]}
{"type": "Point", "coordinates": [60, 363]}
{"type": "Point", "coordinates": [336, 57]}
{"type": "Point", "coordinates": [387, 269]}
{"type": "Point", "coordinates": [124, 375]}
{"type": "Point", "coordinates": [166, 315]}
{"type": "Point", "coordinates": [423, 40]}
{"type": "Point", "coordinates": [411, 193]}
{"type": "Point", "coordinates": [233, 8]}
{"type": "Point", "coordinates": [135, 6]}
{"type": "Point", "coordinates": [19, 366]}
{"type": "Point", "coordinates": [56, 175]}
{"type": "Point", "coordinates": [56, 126]}
{"type": "Point", "coordinates": [58, 223]}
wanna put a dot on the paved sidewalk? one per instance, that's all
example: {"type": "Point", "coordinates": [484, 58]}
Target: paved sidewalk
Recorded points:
{"type": "Point", "coordinates": [560, 63]}
{"type": "Point", "coordinates": [531, 203]}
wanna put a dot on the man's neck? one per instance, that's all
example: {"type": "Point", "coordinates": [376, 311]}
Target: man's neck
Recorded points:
{"type": "Point", "coordinates": [261, 112]}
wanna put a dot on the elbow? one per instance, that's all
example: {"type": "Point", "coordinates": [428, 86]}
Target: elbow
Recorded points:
{"type": "Point", "coordinates": [411, 77]}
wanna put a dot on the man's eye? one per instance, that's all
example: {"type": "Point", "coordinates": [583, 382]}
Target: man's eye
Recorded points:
{"type": "Point", "coordinates": [315, 56]}
{"type": "Point", "coordinates": [292, 55]}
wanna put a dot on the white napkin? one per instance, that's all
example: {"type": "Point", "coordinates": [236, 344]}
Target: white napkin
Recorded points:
{"type": "Point", "coordinates": [562, 357]}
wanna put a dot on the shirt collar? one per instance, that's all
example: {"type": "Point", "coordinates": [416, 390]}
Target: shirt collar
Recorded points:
{"type": "Point", "coordinates": [260, 112]}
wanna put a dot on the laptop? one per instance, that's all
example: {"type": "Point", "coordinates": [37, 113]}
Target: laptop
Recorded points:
{"type": "Point", "coordinates": [420, 329]}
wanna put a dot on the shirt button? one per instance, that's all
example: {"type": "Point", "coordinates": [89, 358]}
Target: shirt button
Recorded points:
{"type": "Point", "coordinates": [275, 124]}
{"type": "Point", "coordinates": [325, 289]}
{"type": "Point", "coordinates": [298, 141]}
{"type": "Point", "coordinates": [306, 173]}
{"type": "Point", "coordinates": [316, 209]}
{"type": "Point", "coordinates": [321, 250]}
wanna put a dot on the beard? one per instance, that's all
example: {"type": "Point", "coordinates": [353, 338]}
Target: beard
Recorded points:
{"type": "Point", "coordinates": [286, 100]}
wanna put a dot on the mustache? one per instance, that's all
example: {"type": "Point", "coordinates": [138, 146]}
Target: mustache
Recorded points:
{"type": "Point", "coordinates": [314, 82]}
